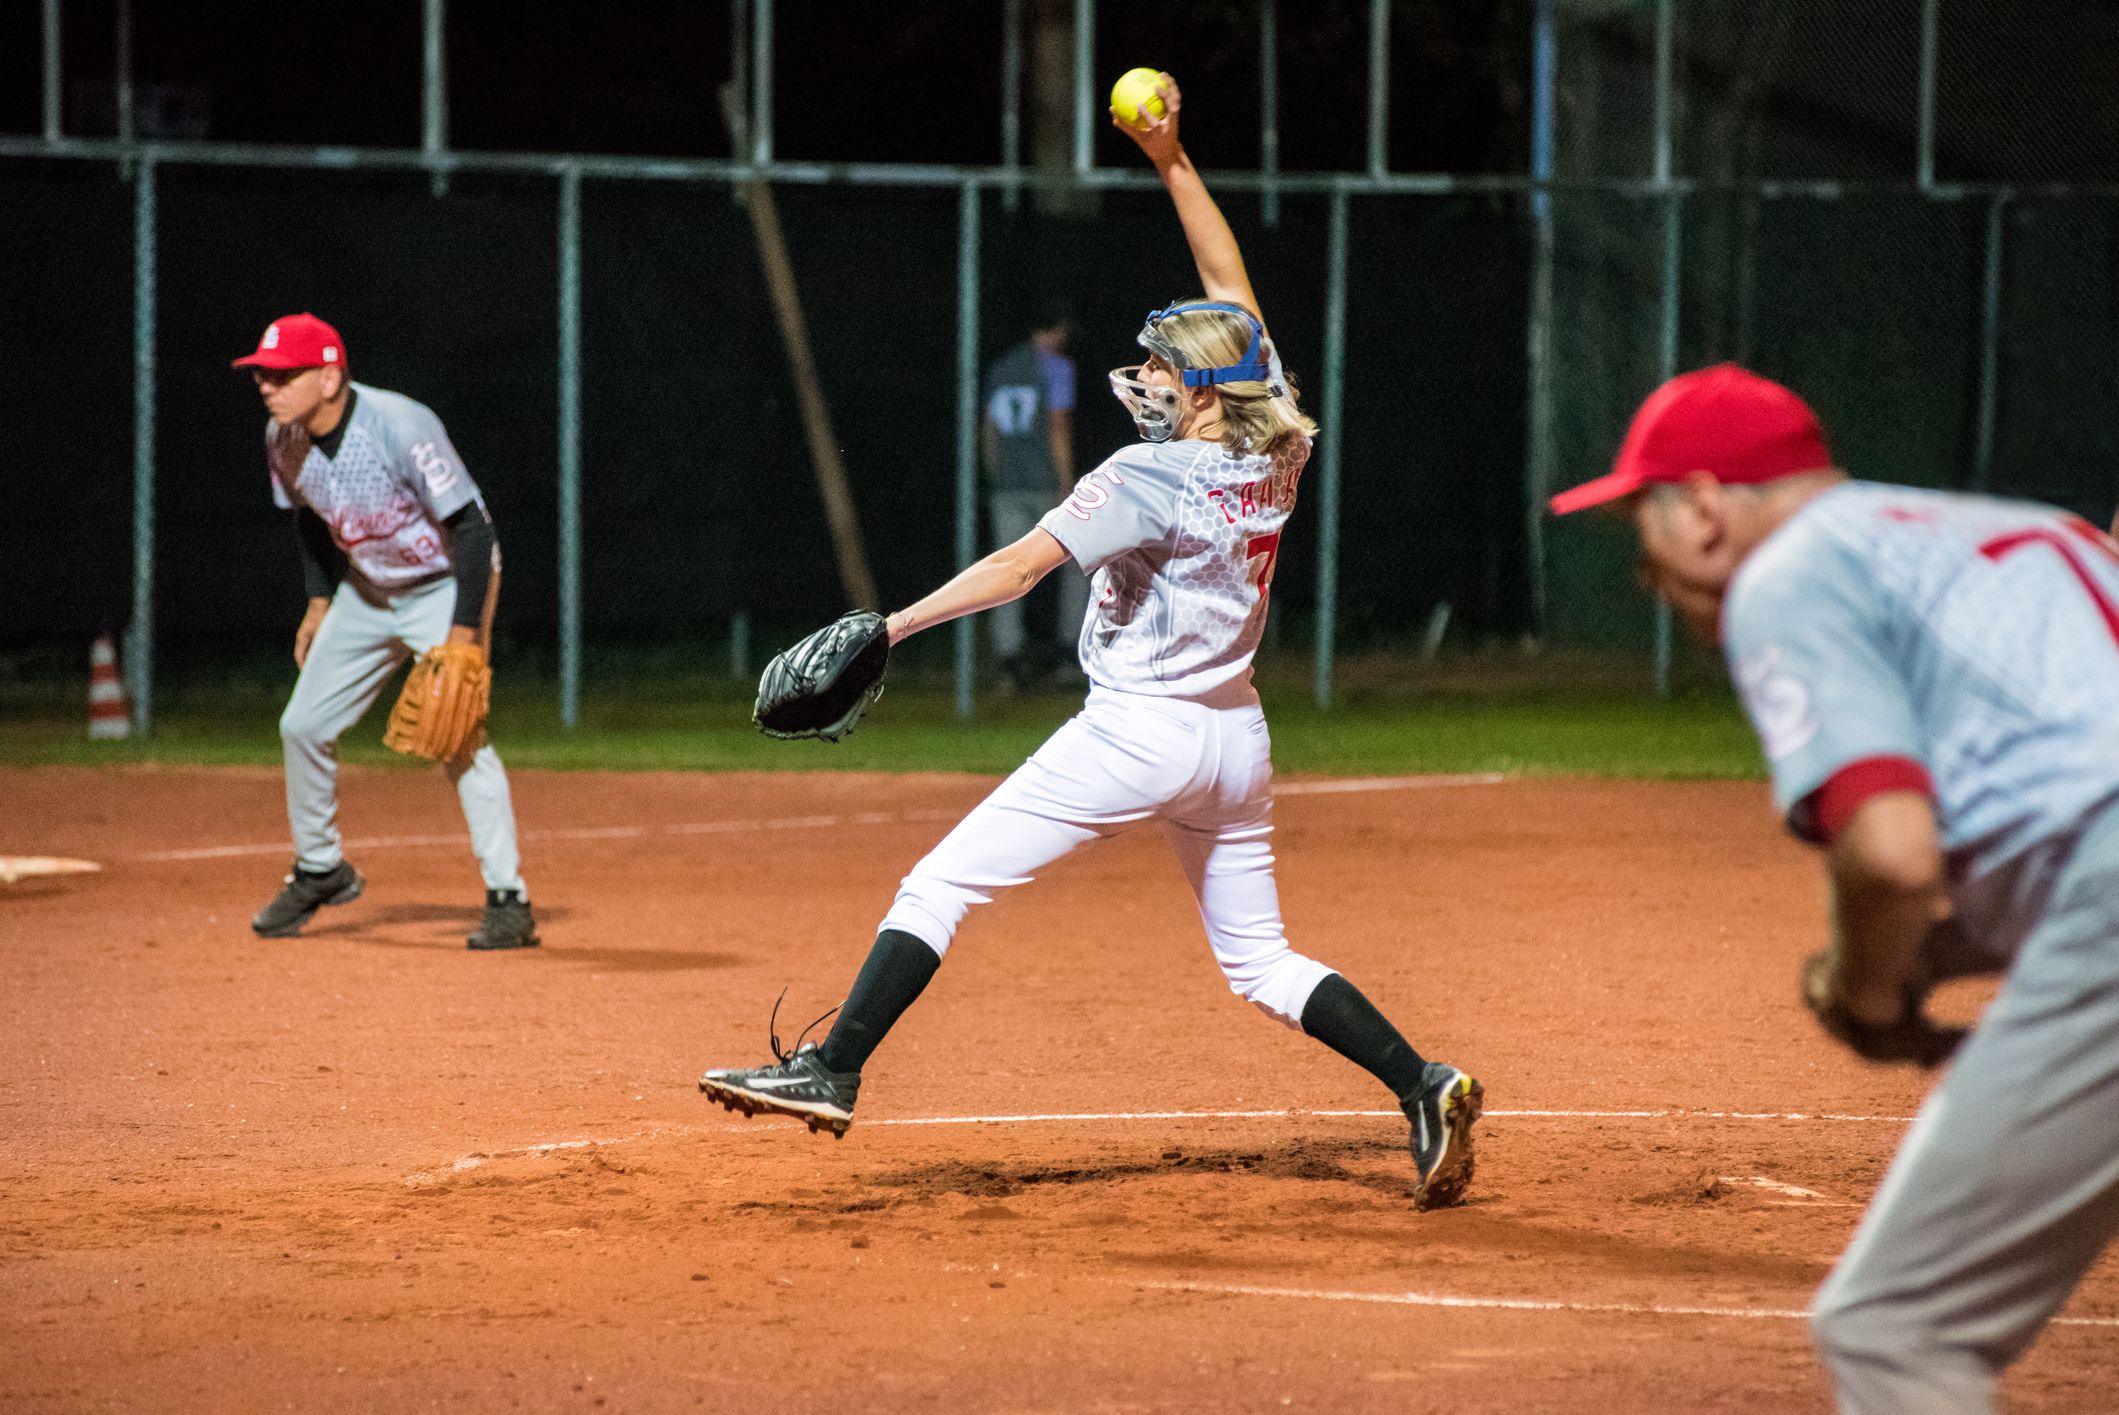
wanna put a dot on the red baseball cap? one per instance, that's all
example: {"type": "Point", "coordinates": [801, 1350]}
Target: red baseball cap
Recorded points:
{"type": "Point", "coordinates": [295, 341]}
{"type": "Point", "coordinates": [1725, 420]}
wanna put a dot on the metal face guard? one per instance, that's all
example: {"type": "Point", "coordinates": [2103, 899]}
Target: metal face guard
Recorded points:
{"type": "Point", "coordinates": [1154, 409]}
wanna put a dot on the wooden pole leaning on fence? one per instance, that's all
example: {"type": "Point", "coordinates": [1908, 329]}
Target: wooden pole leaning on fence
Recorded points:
{"type": "Point", "coordinates": [847, 545]}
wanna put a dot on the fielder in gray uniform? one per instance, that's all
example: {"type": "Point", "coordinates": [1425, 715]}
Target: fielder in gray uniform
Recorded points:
{"type": "Point", "coordinates": [397, 554]}
{"type": "Point", "coordinates": [1933, 679]}
{"type": "Point", "coordinates": [1027, 438]}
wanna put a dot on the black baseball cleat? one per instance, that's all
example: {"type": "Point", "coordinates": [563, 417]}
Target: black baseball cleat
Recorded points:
{"type": "Point", "coordinates": [1442, 1116]}
{"type": "Point", "coordinates": [797, 1085]}
{"type": "Point", "coordinates": [508, 922]}
{"type": "Point", "coordinates": [304, 893]}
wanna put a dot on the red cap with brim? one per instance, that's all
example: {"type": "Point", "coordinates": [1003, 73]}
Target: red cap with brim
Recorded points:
{"type": "Point", "coordinates": [295, 341]}
{"type": "Point", "coordinates": [1725, 421]}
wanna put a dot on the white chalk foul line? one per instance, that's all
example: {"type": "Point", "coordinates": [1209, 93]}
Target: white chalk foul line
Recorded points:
{"type": "Point", "coordinates": [1386, 783]}
{"type": "Point", "coordinates": [598, 832]}
{"type": "Point", "coordinates": [1514, 1304]}
{"type": "Point", "coordinates": [815, 822]}
{"type": "Point", "coordinates": [478, 1158]}
{"type": "Point", "coordinates": [1061, 1117]}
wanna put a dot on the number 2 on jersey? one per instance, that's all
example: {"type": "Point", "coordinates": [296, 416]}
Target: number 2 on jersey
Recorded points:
{"type": "Point", "coordinates": [1261, 553]}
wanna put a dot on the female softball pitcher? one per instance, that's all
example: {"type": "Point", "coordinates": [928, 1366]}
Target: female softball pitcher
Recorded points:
{"type": "Point", "coordinates": [1180, 533]}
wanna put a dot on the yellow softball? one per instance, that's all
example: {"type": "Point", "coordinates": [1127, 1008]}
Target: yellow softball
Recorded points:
{"type": "Point", "coordinates": [1134, 99]}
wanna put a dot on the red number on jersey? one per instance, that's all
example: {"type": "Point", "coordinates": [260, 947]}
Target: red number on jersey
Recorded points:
{"type": "Point", "coordinates": [1262, 552]}
{"type": "Point", "coordinates": [2070, 552]}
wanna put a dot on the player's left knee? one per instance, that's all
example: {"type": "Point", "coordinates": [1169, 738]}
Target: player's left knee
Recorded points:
{"type": "Point", "coordinates": [930, 909]}
{"type": "Point", "coordinates": [298, 729]}
{"type": "Point", "coordinates": [1278, 984]}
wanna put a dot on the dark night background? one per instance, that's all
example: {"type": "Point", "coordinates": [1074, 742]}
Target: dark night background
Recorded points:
{"type": "Point", "coordinates": [698, 496]}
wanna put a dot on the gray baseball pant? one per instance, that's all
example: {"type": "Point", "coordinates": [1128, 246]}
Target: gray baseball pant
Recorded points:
{"type": "Point", "coordinates": [2007, 1187]}
{"type": "Point", "coordinates": [363, 640]}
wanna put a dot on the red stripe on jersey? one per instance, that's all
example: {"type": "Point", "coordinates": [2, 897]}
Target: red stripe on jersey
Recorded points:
{"type": "Point", "coordinates": [1820, 816]}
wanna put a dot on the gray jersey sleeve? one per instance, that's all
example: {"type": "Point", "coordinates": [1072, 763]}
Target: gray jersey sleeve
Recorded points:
{"type": "Point", "coordinates": [1127, 503]}
{"type": "Point", "coordinates": [427, 462]}
{"type": "Point", "coordinates": [1807, 643]}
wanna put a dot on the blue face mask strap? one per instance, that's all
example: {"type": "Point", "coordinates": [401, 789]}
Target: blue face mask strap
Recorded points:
{"type": "Point", "coordinates": [1250, 368]}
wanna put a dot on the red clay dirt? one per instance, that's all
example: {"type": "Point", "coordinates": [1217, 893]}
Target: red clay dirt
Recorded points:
{"type": "Point", "coordinates": [369, 1170]}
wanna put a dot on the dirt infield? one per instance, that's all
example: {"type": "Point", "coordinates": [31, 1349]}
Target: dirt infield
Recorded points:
{"type": "Point", "coordinates": [368, 1170]}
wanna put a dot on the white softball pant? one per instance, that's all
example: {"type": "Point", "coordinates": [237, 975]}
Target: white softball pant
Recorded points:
{"type": "Point", "coordinates": [362, 642]}
{"type": "Point", "coordinates": [1204, 773]}
{"type": "Point", "coordinates": [2007, 1186]}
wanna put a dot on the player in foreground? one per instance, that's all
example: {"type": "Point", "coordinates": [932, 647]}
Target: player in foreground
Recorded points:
{"type": "Point", "coordinates": [1180, 533]}
{"type": "Point", "coordinates": [398, 558]}
{"type": "Point", "coordinates": [1933, 679]}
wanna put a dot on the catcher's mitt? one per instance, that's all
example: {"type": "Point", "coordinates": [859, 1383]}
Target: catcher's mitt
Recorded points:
{"type": "Point", "coordinates": [441, 714]}
{"type": "Point", "coordinates": [1911, 1038]}
{"type": "Point", "coordinates": [821, 686]}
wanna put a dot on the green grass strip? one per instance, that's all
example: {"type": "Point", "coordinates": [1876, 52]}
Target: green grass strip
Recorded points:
{"type": "Point", "coordinates": [660, 728]}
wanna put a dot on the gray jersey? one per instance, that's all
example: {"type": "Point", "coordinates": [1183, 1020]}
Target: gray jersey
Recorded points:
{"type": "Point", "coordinates": [1977, 637]}
{"type": "Point", "coordinates": [1181, 539]}
{"type": "Point", "coordinates": [1024, 388]}
{"type": "Point", "coordinates": [384, 496]}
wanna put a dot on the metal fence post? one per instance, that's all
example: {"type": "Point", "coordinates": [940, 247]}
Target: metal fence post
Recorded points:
{"type": "Point", "coordinates": [738, 76]}
{"type": "Point", "coordinates": [434, 92]}
{"type": "Point", "coordinates": [1379, 85]}
{"type": "Point", "coordinates": [128, 129]}
{"type": "Point", "coordinates": [1084, 86]}
{"type": "Point", "coordinates": [967, 418]}
{"type": "Point", "coordinates": [761, 87]}
{"type": "Point", "coordinates": [1332, 436]}
{"type": "Point", "coordinates": [1537, 470]}
{"type": "Point", "coordinates": [1990, 344]}
{"type": "Point", "coordinates": [52, 94]}
{"type": "Point", "coordinates": [570, 447]}
{"type": "Point", "coordinates": [1667, 361]}
{"type": "Point", "coordinates": [1012, 101]}
{"type": "Point", "coordinates": [1930, 42]}
{"type": "Point", "coordinates": [1269, 110]}
{"type": "Point", "coordinates": [139, 635]}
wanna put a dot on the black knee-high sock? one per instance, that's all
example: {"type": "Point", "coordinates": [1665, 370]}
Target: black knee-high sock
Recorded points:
{"type": "Point", "coordinates": [1340, 1017]}
{"type": "Point", "coordinates": [897, 970]}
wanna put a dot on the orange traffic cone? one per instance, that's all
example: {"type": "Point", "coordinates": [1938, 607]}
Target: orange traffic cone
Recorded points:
{"type": "Point", "coordinates": [109, 718]}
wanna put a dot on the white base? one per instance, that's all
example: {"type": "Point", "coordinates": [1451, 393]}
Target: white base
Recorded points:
{"type": "Point", "coordinates": [14, 867]}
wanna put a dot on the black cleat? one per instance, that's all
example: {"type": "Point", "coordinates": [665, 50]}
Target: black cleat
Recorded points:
{"type": "Point", "coordinates": [1442, 1116]}
{"type": "Point", "coordinates": [798, 1085]}
{"type": "Point", "coordinates": [303, 895]}
{"type": "Point", "coordinates": [508, 922]}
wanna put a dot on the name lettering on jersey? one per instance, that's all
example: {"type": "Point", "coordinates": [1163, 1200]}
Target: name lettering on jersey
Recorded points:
{"type": "Point", "coordinates": [1272, 493]}
{"type": "Point", "coordinates": [1779, 702]}
{"type": "Point", "coordinates": [1088, 497]}
{"type": "Point", "coordinates": [351, 528]}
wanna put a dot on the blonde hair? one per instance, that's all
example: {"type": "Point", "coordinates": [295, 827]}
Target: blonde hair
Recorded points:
{"type": "Point", "coordinates": [1253, 418]}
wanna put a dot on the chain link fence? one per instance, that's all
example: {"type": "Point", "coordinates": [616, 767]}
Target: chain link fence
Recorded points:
{"type": "Point", "coordinates": [1906, 210]}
